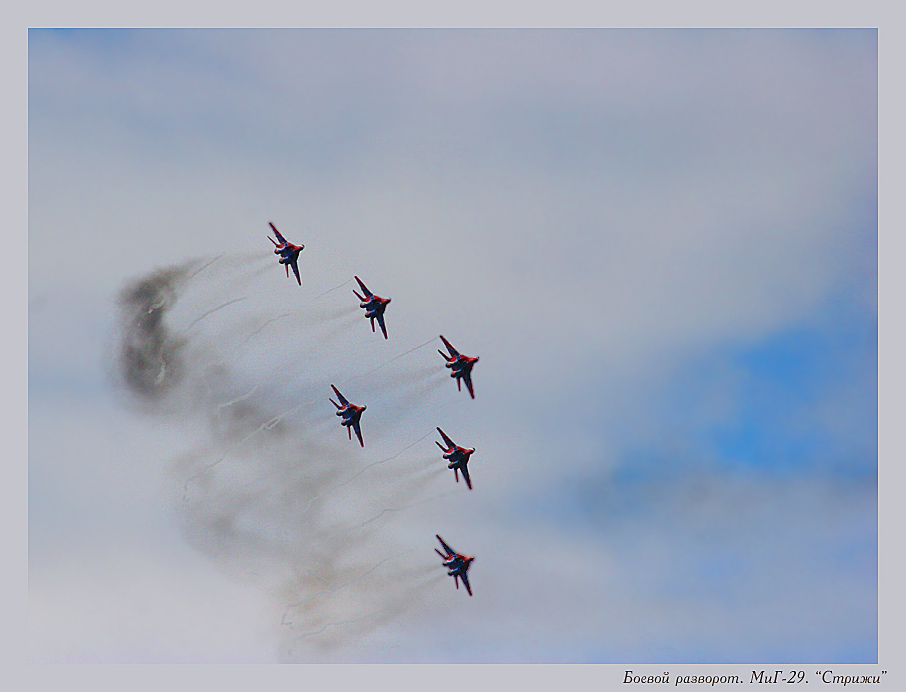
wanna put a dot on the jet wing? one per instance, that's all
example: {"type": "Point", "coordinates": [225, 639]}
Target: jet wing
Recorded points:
{"type": "Point", "coordinates": [449, 442]}
{"type": "Point", "coordinates": [465, 582]}
{"type": "Point", "coordinates": [380, 320]}
{"type": "Point", "coordinates": [465, 474]}
{"type": "Point", "coordinates": [449, 550]}
{"type": "Point", "coordinates": [295, 264]}
{"type": "Point", "coordinates": [277, 233]}
{"type": "Point", "coordinates": [343, 399]}
{"type": "Point", "coordinates": [468, 378]}
{"type": "Point", "coordinates": [364, 288]}
{"type": "Point", "coordinates": [449, 346]}
{"type": "Point", "coordinates": [358, 431]}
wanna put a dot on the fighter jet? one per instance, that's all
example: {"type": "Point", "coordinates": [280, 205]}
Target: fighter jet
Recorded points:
{"type": "Point", "coordinates": [457, 564]}
{"type": "Point", "coordinates": [460, 365]}
{"type": "Point", "coordinates": [374, 306]}
{"type": "Point", "coordinates": [350, 413]}
{"type": "Point", "coordinates": [289, 253]}
{"type": "Point", "coordinates": [457, 456]}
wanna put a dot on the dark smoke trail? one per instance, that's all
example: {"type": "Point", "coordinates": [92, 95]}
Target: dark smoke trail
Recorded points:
{"type": "Point", "coordinates": [264, 488]}
{"type": "Point", "coordinates": [150, 356]}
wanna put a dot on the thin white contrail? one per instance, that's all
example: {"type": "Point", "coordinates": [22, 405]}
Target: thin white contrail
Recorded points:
{"type": "Point", "coordinates": [206, 467]}
{"type": "Point", "coordinates": [275, 420]}
{"type": "Point", "coordinates": [342, 622]}
{"type": "Point", "coordinates": [394, 510]}
{"type": "Point", "coordinates": [212, 311]}
{"type": "Point", "coordinates": [238, 398]}
{"type": "Point", "coordinates": [328, 491]}
{"type": "Point", "coordinates": [375, 463]}
{"type": "Point", "coordinates": [355, 377]}
{"type": "Point", "coordinates": [203, 267]}
{"type": "Point", "coordinates": [333, 590]}
{"type": "Point", "coordinates": [335, 288]}
{"type": "Point", "coordinates": [258, 331]}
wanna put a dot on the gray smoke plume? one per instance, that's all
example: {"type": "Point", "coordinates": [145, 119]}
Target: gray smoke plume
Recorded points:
{"type": "Point", "coordinates": [269, 487]}
{"type": "Point", "coordinates": [150, 355]}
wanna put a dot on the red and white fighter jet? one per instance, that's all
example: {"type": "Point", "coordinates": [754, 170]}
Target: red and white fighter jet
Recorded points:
{"type": "Point", "coordinates": [289, 253]}
{"type": "Point", "coordinates": [460, 366]}
{"type": "Point", "coordinates": [350, 413]}
{"type": "Point", "coordinates": [374, 306]}
{"type": "Point", "coordinates": [457, 456]}
{"type": "Point", "coordinates": [457, 564]}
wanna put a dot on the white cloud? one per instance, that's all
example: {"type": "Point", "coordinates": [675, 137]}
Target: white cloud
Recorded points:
{"type": "Point", "coordinates": [124, 603]}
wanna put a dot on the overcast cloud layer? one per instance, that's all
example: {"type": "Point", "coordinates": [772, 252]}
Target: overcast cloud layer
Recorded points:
{"type": "Point", "coordinates": [661, 244]}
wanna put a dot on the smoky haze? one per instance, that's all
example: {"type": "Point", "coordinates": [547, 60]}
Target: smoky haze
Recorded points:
{"type": "Point", "coordinates": [271, 489]}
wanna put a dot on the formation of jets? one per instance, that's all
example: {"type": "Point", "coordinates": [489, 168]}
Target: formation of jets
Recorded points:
{"type": "Point", "coordinates": [350, 414]}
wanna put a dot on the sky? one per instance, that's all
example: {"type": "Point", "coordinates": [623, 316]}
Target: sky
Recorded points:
{"type": "Point", "coordinates": [662, 245]}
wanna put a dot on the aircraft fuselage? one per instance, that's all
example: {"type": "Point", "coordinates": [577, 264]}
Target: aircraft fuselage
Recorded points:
{"type": "Point", "coordinates": [458, 456]}
{"type": "Point", "coordinates": [350, 414]}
